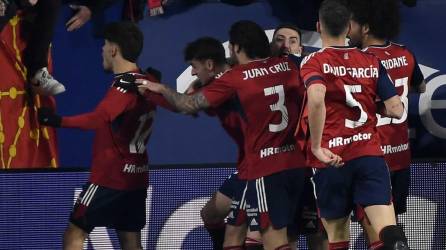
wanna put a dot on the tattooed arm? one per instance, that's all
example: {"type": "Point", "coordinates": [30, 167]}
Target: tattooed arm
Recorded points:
{"type": "Point", "coordinates": [187, 104]}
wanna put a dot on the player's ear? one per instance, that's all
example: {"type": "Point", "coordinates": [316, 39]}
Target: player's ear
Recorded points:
{"type": "Point", "coordinates": [365, 29]}
{"type": "Point", "coordinates": [318, 27]}
{"type": "Point", "coordinates": [209, 64]}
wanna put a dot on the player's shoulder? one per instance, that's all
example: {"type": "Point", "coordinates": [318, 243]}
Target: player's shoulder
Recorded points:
{"type": "Point", "coordinates": [310, 57]}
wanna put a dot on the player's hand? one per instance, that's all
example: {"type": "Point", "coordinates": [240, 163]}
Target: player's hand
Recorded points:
{"type": "Point", "coordinates": [126, 83]}
{"type": "Point", "coordinates": [144, 85]}
{"type": "Point", "coordinates": [327, 157]}
{"type": "Point", "coordinates": [47, 117]}
{"type": "Point", "coordinates": [82, 16]}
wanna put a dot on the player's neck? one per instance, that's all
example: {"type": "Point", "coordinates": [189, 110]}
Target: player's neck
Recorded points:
{"type": "Point", "coordinates": [370, 41]}
{"type": "Point", "coordinates": [328, 41]}
{"type": "Point", "coordinates": [124, 66]}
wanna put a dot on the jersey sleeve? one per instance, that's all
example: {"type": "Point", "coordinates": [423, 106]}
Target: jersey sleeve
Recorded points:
{"type": "Point", "coordinates": [385, 87]}
{"type": "Point", "coordinates": [218, 91]}
{"type": "Point", "coordinates": [158, 100]}
{"type": "Point", "coordinates": [311, 73]}
{"type": "Point", "coordinates": [113, 104]}
{"type": "Point", "coordinates": [417, 75]}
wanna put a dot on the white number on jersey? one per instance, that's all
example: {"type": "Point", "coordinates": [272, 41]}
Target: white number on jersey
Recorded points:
{"type": "Point", "coordinates": [137, 144]}
{"type": "Point", "coordinates": [278, 106]}
{"type": "Point", "coordinates": [382, 120]}
{"type": "Point", "coordinates": [352, 102]}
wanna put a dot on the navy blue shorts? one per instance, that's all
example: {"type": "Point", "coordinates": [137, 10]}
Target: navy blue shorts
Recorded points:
{"type": "Point", "coordinates": [231, 185]}
{"type": "Point", "coordinates": [363, 181]}
{"type": "Point", "coordinates": [270, 200]}
{"type": "Point", "coordinates": [99, 206]}
{"type": "Point", "coordinates": [400, 189]}
{"type": "Point", "coordinates": [306, 220]}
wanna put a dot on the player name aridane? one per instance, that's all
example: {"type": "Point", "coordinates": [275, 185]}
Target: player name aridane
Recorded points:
{"type": "Point", "coordinates": [340, 141]}
{"type": "Point", "coordinates": [395, 62]}
{"type": "Point", "coordinates": [257, 72]}
{"type": "Point", "coordinates": [134, 169]}
{"type": "Point", "coordinates": [275, 150]}
{"type": "Point", "coordinates": [389, 149]}
{"type": "Point", "coordinates": [370, 72]}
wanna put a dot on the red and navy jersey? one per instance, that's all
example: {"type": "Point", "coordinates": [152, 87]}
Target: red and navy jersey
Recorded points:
{"type": "Point", "coordinates": [405, 73]}
{"type": "Point", "coordinates": [231, 118]}
{"type": "Point", "coordinates": [122, 123]}
{"type": "Point", "coordinates": [268, 91]}
{"type": "Point", "coordinates": [353, 81]}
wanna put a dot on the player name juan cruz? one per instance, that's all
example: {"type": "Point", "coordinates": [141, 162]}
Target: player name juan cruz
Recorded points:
{"type": "Point", "coordinates": [370, 72]}
{"type": "Point", "coordinates": [257, 72]}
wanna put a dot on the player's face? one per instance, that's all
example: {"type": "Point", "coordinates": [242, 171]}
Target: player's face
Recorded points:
{"type": "Point", "coordinates": [202, 69]}
{"type": "Point", "coordinates": [107, 55]}
{"type": "Point", "coordinates": [355, 34]}
{"type": "Point", "coordinates": [286, 41]}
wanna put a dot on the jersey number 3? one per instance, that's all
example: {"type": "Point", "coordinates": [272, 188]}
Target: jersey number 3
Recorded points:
{"type": "Point", "coordinates": [278, 106]}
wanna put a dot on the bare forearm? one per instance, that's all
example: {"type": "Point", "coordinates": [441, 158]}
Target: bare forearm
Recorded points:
{"type": "Point", "coordinates": [316, 118]}
{"type": "Point", "coordinates": [188, 104]}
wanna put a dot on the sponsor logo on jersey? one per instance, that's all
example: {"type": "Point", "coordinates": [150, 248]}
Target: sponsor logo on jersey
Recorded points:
{"type": "Point", "coordinates": [390, 149]}
{"type": "Point", "coordinates": [341, 141]}
{"type": "Point", "coordinates": [275, 150]}
{"type": "Point", "coordinates": [134, 169]}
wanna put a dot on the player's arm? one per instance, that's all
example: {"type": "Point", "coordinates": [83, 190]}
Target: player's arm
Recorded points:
{"type": "Point", "coordinates": [393, 107]}
{"type": "Point", "coordinates": [187, 104]}
{"type": "Point", "coordinates": [418, 83]}
{"type": "Point", "coordinates": [315, 82]}
{"type": "Point", "coordinates": [316, 113]}
{"type": "Point", "coordinates": [113, 104]}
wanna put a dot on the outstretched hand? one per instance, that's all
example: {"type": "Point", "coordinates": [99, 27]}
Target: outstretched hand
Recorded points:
{"type": "Point", "coordinates": [82, 16]}
{"type": "Point", "coordinates": [144, 85]}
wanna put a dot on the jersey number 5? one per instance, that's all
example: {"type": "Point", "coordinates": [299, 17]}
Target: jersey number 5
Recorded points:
{"type": "Point", "coordinates": [278, 106]}
{"type": "Point", "coordinates": [352, 102]}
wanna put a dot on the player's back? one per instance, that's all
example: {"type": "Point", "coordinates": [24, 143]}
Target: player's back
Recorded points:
{"type": "Point", "coordinates": [119, 152]}
{"type": "Point", "coordinates": [351, 78]}
{"type": "Point", "coordinates": [270, 102]}
{"type": "Point", "coordinates": [404, 72]}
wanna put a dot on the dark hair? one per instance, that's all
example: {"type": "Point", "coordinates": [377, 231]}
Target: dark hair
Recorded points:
{"type": "Point", "coordinates": [250, 37]}
{"type": "Point", "coordinates": [127, 36]}
{"type": "Point", "coordinates": [205, 48]}
{"type": "Point", "coordinates": [335, 16]}
{"type": "Point", "coordinates": [291, 27]}
{"type": "Point", "coordinates": [382, 16]}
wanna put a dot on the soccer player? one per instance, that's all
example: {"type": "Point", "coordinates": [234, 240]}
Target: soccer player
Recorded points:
{"type": "Point", "coordinates": [273, 166]}
{"type": "Point", "coordinates": [207, 57]}
{"type": "Point", "coordinates": [373, 25]}
{"type": "Point", "coordinates": [342, 86]}
{"type": "Point", "coordinates": [287, 41]}
{"type": "Point", "coordinates": [115, 195]}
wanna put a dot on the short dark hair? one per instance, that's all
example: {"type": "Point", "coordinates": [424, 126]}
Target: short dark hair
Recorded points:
{"type": "Point", "coordinates": [205, 48]}
{"type": "Point", "coordinates": [335, 16]}
{"type": "Point", "coordinates": [127, 36]}
{"type": "Point", "coordinates": [250, 37]}
{"type": "Point", "coordinates": [382, 16]}
{"type": "Point", "coordinates": [291, 27]}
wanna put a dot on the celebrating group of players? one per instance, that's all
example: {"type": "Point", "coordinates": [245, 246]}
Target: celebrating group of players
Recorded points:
{"type": "Point", "coordinates": [340, 111]}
